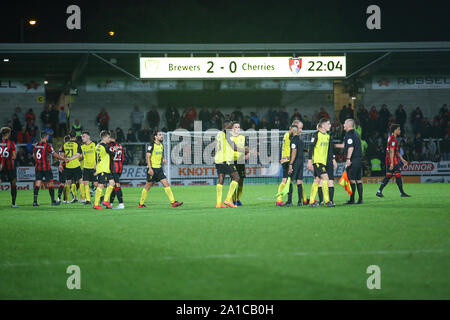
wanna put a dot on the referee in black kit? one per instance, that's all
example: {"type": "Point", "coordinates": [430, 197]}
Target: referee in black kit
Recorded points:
{"type": "Point", "coordinates": [353, 163]}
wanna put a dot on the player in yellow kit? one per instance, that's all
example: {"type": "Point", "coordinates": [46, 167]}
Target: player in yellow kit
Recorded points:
{"type": "Point", "coordinates": [317, 162]}
{"type": "Point", "coordinates": [89, 160]}
{"type": "Point", "coordinates": [239, 161]}
{"type": "Point", "coordinates": [103, 170]}
{"type": "Point", "coordinates": [72, 151]}
{"type": "Point", "coordinates": [155, 173]}
{"type": "Point", "coordinates": [223, 159]}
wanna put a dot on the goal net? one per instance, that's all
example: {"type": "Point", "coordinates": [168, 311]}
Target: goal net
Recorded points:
{"type": "Point", "coordinates": [190, 156]}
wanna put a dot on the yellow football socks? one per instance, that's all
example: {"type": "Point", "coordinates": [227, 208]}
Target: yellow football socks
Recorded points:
{"type": "Point", "coordinates": [66, 192]}
{"type": "Point", "coordinates": [82, 192]}
{"type": "Point", "coordinates": [169, 193]}
{"type": "Point", "coordinates": [143, 196]}
{"type": "Point", "coordinates": [219, 188]}
{"type": "Point", "coordinates": [240, 190]}
{"type": "Point", "coordinates": [326, 194]}
{"type": "Point", "coordinates": [87, 192]}
{"type": "Point", "coordinates": [74, 190]}
{"type": "Point", "coordinates": [233, 186]}
{"type": "Point", "coordinates": [108, 192]}
{"type": "Point", "coordinates": [314, 189]}
{"type": "Point", "coordinates": [98, 195]}
{"type": "Point", "coordinates": [280, 188]}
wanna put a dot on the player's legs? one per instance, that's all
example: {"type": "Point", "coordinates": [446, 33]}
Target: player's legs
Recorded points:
{"type": "Point", "coordinates": [398, 180]}
{"type": "Point", "coordinates": [233, 185]}
{"type": "Point", "coordinates": [240, 188]}
{"type": "Point", "coordinates": [51, 190]}
{"type": "Point", "coordinates": [98, 195]}
{"type": "Point", "coordinates": [13, 191]}
{"type": "Point", "coordinates": [324, 180]}
{"type": "Point", "coordinates": [320, 192]}
{"type": "Point", "coordinates": [285, 167]}
{"type": "Point", "coordinates": [70, 183]}
{"type": "Point", "coordinates": [11, 176]}
{"type": "Point", "coordinates": [355, 175]}
{"type": "Point", "coordinates": [300, 192]}
{"type": "Point", "coordinates": [37, 185]}
{"type": "Point", "coordinates": [87, 190]}
{"type": "Point", "coordinates": [108, 192]}
{"type": "Point", "coordinates": [219, 189]}
{"type": "Point", "coordinates": [82, 190]}
{"type": "Point", "coordinates": [330, 172]}
{"type": "Point", "coordinates": [314, 190]}
{"type": "Point", "coordinates": [169, 193]}
{"type": "Point", "coordinates": [145, 190]}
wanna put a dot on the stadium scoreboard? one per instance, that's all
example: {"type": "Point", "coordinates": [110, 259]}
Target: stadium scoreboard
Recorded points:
{"type": "Point", "coordinates": [242, 67]}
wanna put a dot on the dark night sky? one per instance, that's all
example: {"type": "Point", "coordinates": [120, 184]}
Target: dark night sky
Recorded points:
{"type": "Point", "coordinates": [220, 21]}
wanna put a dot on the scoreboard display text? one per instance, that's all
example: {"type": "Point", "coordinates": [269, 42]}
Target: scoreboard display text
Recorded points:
{"type": "Point", "coordinates": [242, 67]}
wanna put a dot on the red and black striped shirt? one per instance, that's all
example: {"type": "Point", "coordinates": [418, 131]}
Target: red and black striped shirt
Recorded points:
{"type": "Point", "coordinates": [41, 153]}
{"type": "Point", "coordinates": [118, 159]}
{"type": "Point", "coordinates": [392, 143]}
{"type": "Point", "coordinates": [7, 147]}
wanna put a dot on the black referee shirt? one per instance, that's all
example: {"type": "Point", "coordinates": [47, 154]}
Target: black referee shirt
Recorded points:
{"type": "Point", "coordinates": [297, 143]}
{"type": "Point", "coordinates": [352, 139]}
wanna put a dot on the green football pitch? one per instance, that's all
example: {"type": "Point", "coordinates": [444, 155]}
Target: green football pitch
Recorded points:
{"type": "Point", "coordinates": [257, 251]}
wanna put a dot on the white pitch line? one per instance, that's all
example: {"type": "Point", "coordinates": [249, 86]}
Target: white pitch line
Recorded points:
{"type": "Point", "coordinates": [10, 264]}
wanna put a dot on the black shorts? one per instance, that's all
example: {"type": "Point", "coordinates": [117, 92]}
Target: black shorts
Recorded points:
{"type": "Point", "coordinates": [297, 171]}
{"type": "Point", "coordinates": [158, 175]}
{"type": "Point", "coordinates": [88, 175]}
{"type": "Point", "coordinates": [240, 168]}
{"type": "Point", "coordinates": [397, 170]}
{"type": "Point", "coordinates": [354, 172]}
{"type": "Point", "coordinates": [330, 171]}
{"type": "Point", "coordinates": [73, 174]}
{"type": "Point", "coordinates": [116, 176]}
{"type": "Point", "coordinates": [225, 168]}
{"type": "Point", "coordinates": [285, 169]}
{"type": "Point", "coordinates": [319, 169]}
{"type": "Point", "coordinates": [103, 178]}
{"type": "Point", "coordinates": [62, 176]}
{"type": "Point", "coordinates": [8, 175]}
{"type": "Point", "coordinates": [44, 175]}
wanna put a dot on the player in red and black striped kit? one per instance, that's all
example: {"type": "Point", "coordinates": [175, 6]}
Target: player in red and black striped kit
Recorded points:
{"type": "Point", "coordinates": [7, 168]}
{"type": "Point", "coordinates": [116, 169]}
{"type": "Point", "coordinates": [42, 151]}
{"type": "Point", "coordinates": [394, 162]}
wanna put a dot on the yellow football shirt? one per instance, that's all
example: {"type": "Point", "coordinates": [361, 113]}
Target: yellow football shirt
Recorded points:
{"type": "Point", "coordinates": [103, 158]}
{"type": "Point", "coordinates": [70, 148]}
{"type": "Point", "coordinates": [320, 153]}
{"type": "Point", "coordinates": [157, 151]}
{"type": "Point", "coordinates": [89, 155]}
{"type": "Point", "coordinates": [239, 141]}
{"type": "Point", "coordinates": [224, 152]}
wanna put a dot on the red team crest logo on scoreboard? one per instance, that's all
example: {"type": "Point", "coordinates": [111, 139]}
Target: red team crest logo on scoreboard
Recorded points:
{"type": "Point", "coordinates": [295, 64]}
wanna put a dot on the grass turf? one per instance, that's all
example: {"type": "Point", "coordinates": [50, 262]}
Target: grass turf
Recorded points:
{"type": "Point", "coordinates": [257, 251]}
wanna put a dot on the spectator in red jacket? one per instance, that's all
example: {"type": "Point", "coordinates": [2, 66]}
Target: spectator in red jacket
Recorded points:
{"type": "Point", "coordinates": [323, 114]}
{"type": "Point", "coordinates": [191, 114]}
{"type": "Point", "coordinates": [30, 116]}
{"type": "Point", "coordinates": [102, 120]}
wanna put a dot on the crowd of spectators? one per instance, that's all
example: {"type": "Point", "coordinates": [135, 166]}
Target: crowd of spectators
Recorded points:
{"type": "Point", "coordinates": [422, 138]}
